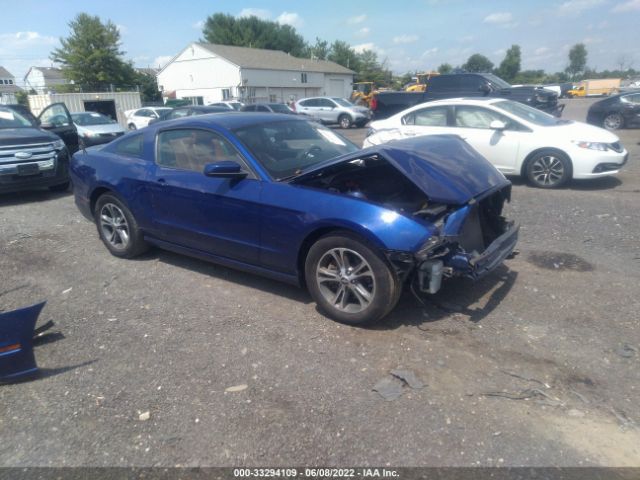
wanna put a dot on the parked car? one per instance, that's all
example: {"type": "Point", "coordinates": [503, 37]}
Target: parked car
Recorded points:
{"type": "Point", "coordinates": [231, 105]}
{"type": "Point", "coordinates": [268, 108]}
{"type": "Point", "coordinates": [616, 112]}
{"type": "Point", "coordinates": [331, 110]}
{"type": "Point", "coordinates": [517, 139]}
{"type": "Point", "coordinates": [36, 155]}
{"type": "Point", "coordinates": [189, 111]}
{"type": "Point", "coordinates": [455, 85]}
{"type": "Point", "coordinates": [140, 117]}
{"type": "Point", "coordinates": [290, 199]}
{"type": "Point", "coordinates": [95, 128]}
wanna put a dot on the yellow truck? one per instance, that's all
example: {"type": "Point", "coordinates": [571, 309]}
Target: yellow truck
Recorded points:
{"type": "Point", "coordinates": [599, 86]}
{"type": "Point", "coordinates": [421, 81]}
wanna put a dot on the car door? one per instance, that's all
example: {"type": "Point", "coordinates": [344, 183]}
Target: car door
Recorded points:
{"type": "Point", "coordinates": [57, 119]}
{"type": "Point", "coordinates": [219, 216]}
{"type": "Point", "coordinates": [499, 146]}
{"type": "Point", "coordinates": [328, 111]}
{"type": "Point", "coordinates": [631, 109]}
{"type": "Point", "coordinates": [310, 107]}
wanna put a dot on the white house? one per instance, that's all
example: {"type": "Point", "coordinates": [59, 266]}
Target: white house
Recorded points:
{"type": "Point", "coordinates": [8, 87]}
{"type": "Point", "coordinates": [44, 79]}
{"type": "Point", "coordinates": [205, 73]}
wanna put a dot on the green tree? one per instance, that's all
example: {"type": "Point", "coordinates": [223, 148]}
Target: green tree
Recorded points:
{"type": "Point", "coordinates": [577, 60]}
{"type": "Point", "coordinates": [510, 66]}
{"type": "Point", "coordinates": [320, 50]}
{"type": "Point", "coordinates": [478, 63]}
{"type": "Point", "coordinates": [253, 32]}
{"type": "Point", "coordinates": [445, 68]}
{"type": "Point", "coordinates": [342, 53]}
{"type": "Point", "coordinates": [148, 87]}
{"type": "Point", "coordinates": [91, 55]}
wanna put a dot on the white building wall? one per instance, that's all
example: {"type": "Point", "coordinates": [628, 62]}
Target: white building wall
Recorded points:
{"type": "Point", "coordinates": [35, 80]}
{"type": "Point", "coordinates": [347, 81]}
{"type": "Point", "coordinates": [196, 72]}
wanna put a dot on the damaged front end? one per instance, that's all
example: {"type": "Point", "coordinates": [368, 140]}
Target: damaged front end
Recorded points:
{"type": "Point", "coordinates": [473, 240]}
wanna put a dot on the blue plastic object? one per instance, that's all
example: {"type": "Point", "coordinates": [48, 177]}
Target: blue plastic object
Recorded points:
{"type": "Point", "coordinates": [17, 360]}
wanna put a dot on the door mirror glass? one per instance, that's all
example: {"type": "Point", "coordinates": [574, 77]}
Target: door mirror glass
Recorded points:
{"type": "Point", "coordinates": [497, 125]}
{"type": "Point", "coordinates": [224, 169]}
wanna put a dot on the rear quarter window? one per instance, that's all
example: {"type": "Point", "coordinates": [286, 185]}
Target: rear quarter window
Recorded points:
{"type": "Point", "coordinates": [130, 146]}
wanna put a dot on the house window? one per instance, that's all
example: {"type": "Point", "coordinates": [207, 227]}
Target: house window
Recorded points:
{"type": "Point", "coordinates": [195, 100]}
{"type": "Point", "coordinates": [10, 82]}
{"type": "Point", "coordinates": [273, 98]}
{"type": "Point", "coordinates": [226, 93]}
{"type": "Point", "coordinates": [303, 78]}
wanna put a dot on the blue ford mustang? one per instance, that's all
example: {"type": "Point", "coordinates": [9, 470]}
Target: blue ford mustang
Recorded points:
{"type": "Point", "coordinates": [292, 200]}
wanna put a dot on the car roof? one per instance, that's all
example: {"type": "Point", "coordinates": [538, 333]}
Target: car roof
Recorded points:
{"type": "Point", "coordinates": [229, 120]}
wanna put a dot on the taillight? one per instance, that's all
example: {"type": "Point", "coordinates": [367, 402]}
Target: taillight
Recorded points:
{"type": "Point", "coordinates": [373, 105]}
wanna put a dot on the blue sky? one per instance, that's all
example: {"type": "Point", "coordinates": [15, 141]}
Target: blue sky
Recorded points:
{"type": "Point", "coordinates": [410, 35]}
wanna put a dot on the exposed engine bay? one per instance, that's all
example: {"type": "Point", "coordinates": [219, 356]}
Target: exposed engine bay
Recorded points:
{"type": "Point", "coordinates": [473, 238]}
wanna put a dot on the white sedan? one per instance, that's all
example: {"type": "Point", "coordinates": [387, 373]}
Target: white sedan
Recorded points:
{"type": "Point", "coordinates": [517, 139]}
{"type": "Point", "coordinates": [140, 117]}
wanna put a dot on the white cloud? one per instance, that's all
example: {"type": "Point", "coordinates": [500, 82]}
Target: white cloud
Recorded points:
{"type": "Point", "coordinates": [627, 6]}
{"type": "Point", "coordinates": [540, 51]}
{"type": "Point", "coordinates": [199, 25]}
{"type": "Point", "coordinates": [466, 39]}
{"type": "Point", "coordinates": [498, 18]}
{"type": "Point", "coordinates": [122, 29]}
{"type": "Point", "coordinates": [363, 32]}
{"type": "Point", "coordinates": [573, 7]}
{"type": "Point", "coordinates": [357, 19]}
{"type": "Point", "coordinates": [430, 51]}
{"type": "Point", "coordinates": [592, 40]}
{"type": "Point", "coordinates": [290, 18]}
{"type": "Point", "coordinates": [405, 39]}
{"type": "Point", "coordinates": [161, 61]}
{"type": "Point", "coordinates": [24, 40]}
{"type": "Point", "coordinates": [261, 13]}
{"type": "Point", "coordinates": [364, 46]}
{"type": "Point", "coordinates": [21, 50]}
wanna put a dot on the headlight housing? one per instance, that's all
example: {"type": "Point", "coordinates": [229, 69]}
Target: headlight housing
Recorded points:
{"type": "Point", "coordinates": [58, 144]}
{"type": "Point", "coordinates": [601, 147]}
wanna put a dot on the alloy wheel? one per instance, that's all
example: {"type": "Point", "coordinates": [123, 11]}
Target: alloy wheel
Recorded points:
{"type": "Point", "coordinates": [613, 121]}
{"type": "Point", "coordinates": [547, 170]}
{"type": "Point", "coordinates": [114, 226]}
{"type": "Point", "coordinates": [345, 279]}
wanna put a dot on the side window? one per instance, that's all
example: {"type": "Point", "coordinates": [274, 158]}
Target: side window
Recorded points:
{"type": "Point", "coordinates": [635, 99]}
{"type": "Point", "coordinates": [143, 113]}
{"type": "Point", "coordinates": [130, 146]}
{"type": "Point", "coordinates": [262, 108]}
{"type": "Point", "coordinates": [427, 117]}
{"type": "Point", "coordinates": [178, 113]}
{"type": "Point", "coordinates": [191, 149]}
{"type": "Point", "coordinates": [314, 102]}
{"type": "Point", "coordinates": [55, 115]}
{"type": "Point", "coordinates": [478, 117]}
{"type": "Point", "coordinates": [470, 83]}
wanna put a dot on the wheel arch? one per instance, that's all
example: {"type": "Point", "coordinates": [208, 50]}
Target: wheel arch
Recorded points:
{"type": "Point", "coordinates": [311, 238]}
{"type": "Point", "coordinates": [532, 154]}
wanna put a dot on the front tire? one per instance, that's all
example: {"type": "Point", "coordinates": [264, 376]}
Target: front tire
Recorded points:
{"type": "Point", "coordinates": [548, 169]}
{"type": "Point", "coordinates": [118, 228]}
{"type": "Point", "coordinates": [350, 282]}
{"type": "Point", "coordinates": [345, 121]}
{"type": "Point", "coordinates": [613, 121]}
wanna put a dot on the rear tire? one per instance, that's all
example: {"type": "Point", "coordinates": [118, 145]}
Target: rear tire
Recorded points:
{"type": "Point", "coordinates": [132, 126]}
{"type": "Point", "coordinates": [344, 120]}
{"type": "Point", "coordinates": [118, 228]}
{"type": "Point", "coordinates": [548, 169]}
{"type": "Point", "coordinates": [349, 280]}
{"type": "Point", "coordinates": [613, 121]}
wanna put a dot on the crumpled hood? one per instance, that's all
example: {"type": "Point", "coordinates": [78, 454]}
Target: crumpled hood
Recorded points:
{"type": "Point", "coordinates": [444, 167]}
{"type": "Point", "coordinates": [25, 136]}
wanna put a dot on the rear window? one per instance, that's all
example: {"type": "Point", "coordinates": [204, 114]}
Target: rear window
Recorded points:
{"type": "Point", "coordinates": [130, 146]}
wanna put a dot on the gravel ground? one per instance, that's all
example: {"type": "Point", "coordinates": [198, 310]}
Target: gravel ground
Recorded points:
{"type": "Point", "coordinates": [535, 365]}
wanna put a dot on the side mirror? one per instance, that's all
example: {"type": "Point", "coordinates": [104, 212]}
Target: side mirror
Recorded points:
{"type": "Point", "coordinates": [484, 88]}
{"type": "Point", "coordinates": [224, 169]}
{"type": "Point", "coordinates": [497, 125]}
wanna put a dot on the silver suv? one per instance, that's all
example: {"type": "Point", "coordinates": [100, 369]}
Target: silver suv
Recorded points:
{"type": "Point", "coordinates": [334, 110]}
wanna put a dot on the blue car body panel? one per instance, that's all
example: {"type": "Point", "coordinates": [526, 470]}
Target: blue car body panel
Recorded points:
{"type": "Point", "coordinates": [17, 360]}
{"type": "Point", "coordinates": [262, 225]}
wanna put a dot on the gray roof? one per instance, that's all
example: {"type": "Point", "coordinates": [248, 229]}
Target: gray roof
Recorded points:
{"type": "Point", "coordinates": [4, 73]}
{"type": "Point", "coordinates": [51, 73]}
{"type": "Point", "coordinates": [263, 59]}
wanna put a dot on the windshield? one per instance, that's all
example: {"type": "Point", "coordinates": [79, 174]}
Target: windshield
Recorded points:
{"type": "Point", "coordinates": [496, 81]}
{"type": "Point", "coordinates": [90, 118]}
{"type": "Point", "coordinates": [342, 102]}
{"type": "Point", "coordinates": [527, 113]}
{"type": "Point", "coordinates": [280, 108]}
{"type": "Point", "coordinates": [287, 148]}
{"type": "Point", "coordinates": [12, 119]}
